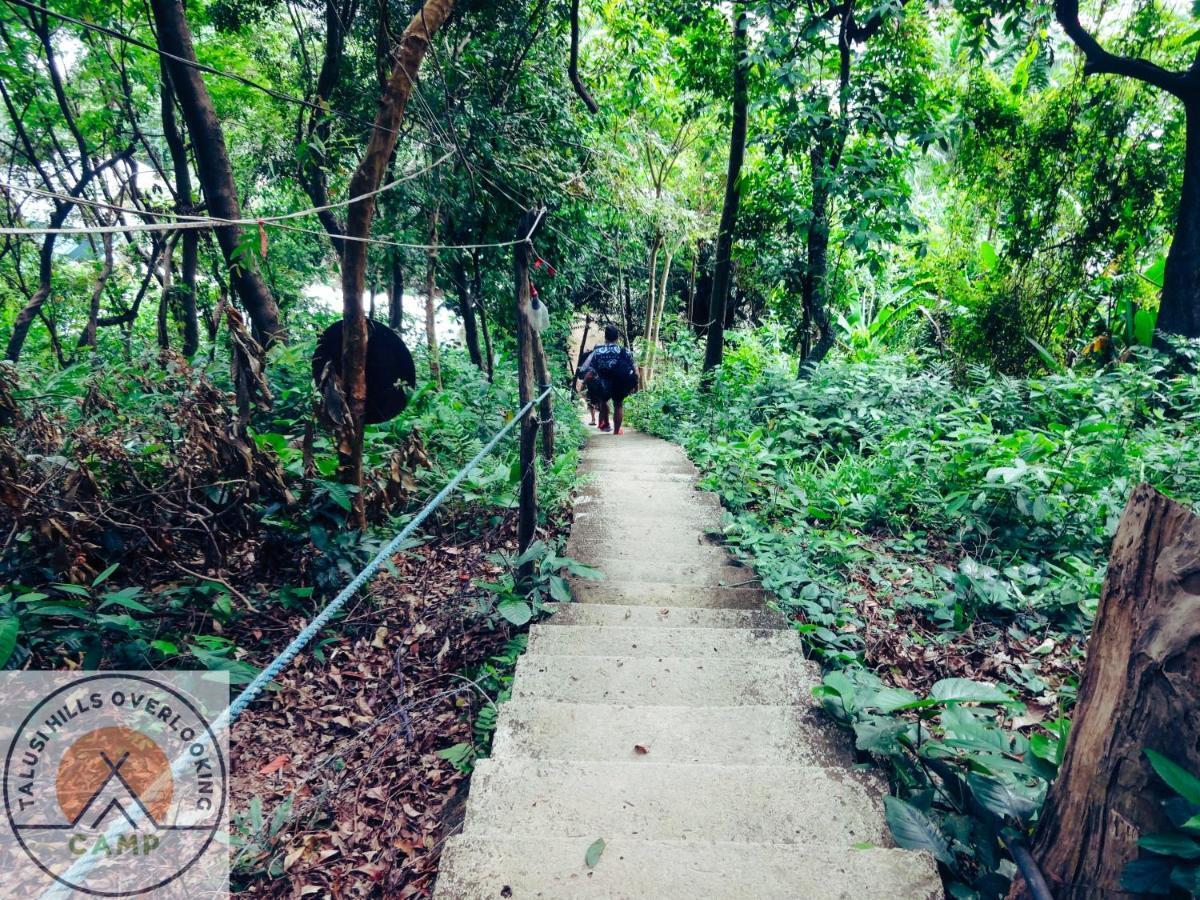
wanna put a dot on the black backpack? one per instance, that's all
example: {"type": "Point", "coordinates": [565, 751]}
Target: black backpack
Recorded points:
{"type": "Point", "coordinates": [612, 360]}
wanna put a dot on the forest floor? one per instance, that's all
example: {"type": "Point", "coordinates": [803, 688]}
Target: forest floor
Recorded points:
{"type": "Point", "coordinates": [337, 779]}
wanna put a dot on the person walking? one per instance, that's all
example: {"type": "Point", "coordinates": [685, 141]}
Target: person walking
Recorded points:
{"type": "Point", "coordinates": [609, 373]}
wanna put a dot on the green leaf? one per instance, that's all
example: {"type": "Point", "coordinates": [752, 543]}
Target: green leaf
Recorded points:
{"type": "Point", "coordinates": [103, 576]}
{"type": "Point", "coordinates": [559, 589]}
{"type": "Point", "coordinates": [532, 552]}
{"type": "Point", "coordinates": [1171, 844]}
{"type": "Point", "coordinates": [913, 830]}
{"type": "Point", "coordinates": [1187, 878]}
{"type": "Point", "coordinates": [998, 797]}
{"type": "Point", "coordinates": [10, 627]}
{"type": "Point", "coordinates": [77, 590]}
{"type": "Point", "coordinates": [515, 610]}
{"type": "Point", "coordinates": [593, 853]}
{"type": "Point", "coordinates": [890, 700]}
{"type": "Point", "coordinates": [1147, 876]}
{"type": "Point", "coordinates": [988, 258]}
{"type": "Point", "coordinates": [964, 690]}
{"type": "Point", "coordinates": [166, 648]}
{"type": "Point", "coordinates": [1179, 779]}
{"type": "Point", "coordinates": [125, 598]}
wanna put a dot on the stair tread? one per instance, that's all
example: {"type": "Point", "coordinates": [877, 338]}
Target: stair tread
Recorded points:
{"type": "Point", "coordinates": [554, 867]}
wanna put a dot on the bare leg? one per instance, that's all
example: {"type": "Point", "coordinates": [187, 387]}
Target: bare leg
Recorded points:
{"type": "Point", "coordinates": [604, 414]}
{"type": "Point", "coordinates": [618, 415]}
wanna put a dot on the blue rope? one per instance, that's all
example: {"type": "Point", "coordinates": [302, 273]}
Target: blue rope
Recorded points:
{"type": "Point", "coordinates": [292, 650]}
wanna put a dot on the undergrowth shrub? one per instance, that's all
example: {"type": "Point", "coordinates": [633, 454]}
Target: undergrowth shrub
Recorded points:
{"type": "Point", "coordinates": [919, 525]}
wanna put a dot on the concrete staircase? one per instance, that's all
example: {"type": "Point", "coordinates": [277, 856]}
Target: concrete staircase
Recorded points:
{"type": "Point", "coordinates": [670, 714]}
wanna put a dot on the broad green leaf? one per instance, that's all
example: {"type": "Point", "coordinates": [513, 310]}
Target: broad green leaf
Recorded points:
{"type": "Point", "coordinates": [913, 830]}
{"type": "Point", "coordinates": [559, 589]}
{"type": "Point", "coordinates": [1178, 779]}
{"type": "Point", "coordinates": [988, 258]}
{"type": "Point", "coordinates": [1171, 844]}
{"type": "Point", "coordinates": [515, 610]}
{"type": "Point", "coordinates": [1147, 876]}
{"type": "Point", "coordinates": [593, 853]}
{"type": "Point", "coordinates": [1000, 798]}
{"type": "Point", "coordinates": [10, 627]}
{"type": "Point", "coordinates": [964, 690]}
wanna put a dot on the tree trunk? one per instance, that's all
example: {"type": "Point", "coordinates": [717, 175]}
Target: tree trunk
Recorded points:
{"type": "Point", "coordinates": [466, 307]}
{"type": "Point", "coordinates": [626, 307]}
{"type": "Point", "coordinates": [691, 290]}
{"type": "Point", "coordinates": [212, 164]}
{"type": "Point", "coordinates": [88, 338]}
{"type": "Point", "coordinates": [185, 205]}
{"type": "Point", "coordinates": [414, 43]}
{"type": "Point", "coordinates": [1179, 310]}
{"type": "Point", "coordinates": [527, 370]}
{"type": "Point", "coordinates": [164, 300]}
{"type": "Point", "coordinates": [824, 165]}
{"type": "Point", "coordinates": [817, 251]}
{"type": "Point", "coordinates": [477, 292]}
{"type": "Point", "coordinates": [396, 294]}
{"type": "Point", "coordinates": [1140, 689]}
{"type": "Point", "coordinates": [648, 330]}
{"type": "Point", "coordinates": [662, 304]}
{"type": "Point", "coordinates": [435, 365]}
{"type": "Point", "coordinates": [723, 267]}
{"type": "Point", "coordinates": [546, 407]}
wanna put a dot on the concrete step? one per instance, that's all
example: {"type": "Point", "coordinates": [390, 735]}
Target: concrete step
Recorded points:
{"type": "Point", "coordinates": [609, 640]}
{"type": "Point", "coordinates": [621, 490]}
{"type": "Point", "coordinates": [667, 681]}
{"type": "Point", "coordinates": [477, 868]}
{"type": "Point", "coordinates": [703, 573]}
{"type": "Point", "coordinates": [628, 471]}
{"type": "Point", "coordinates": [674, 546]}
{"type": "Point", "coordinates": [597, 732]}
{"type": "Point", "coordinates": [663, 616]}
{"type": "Point", "coordinates": [802, 805]}
{"type": "Point", "coordinates": [658, 593]}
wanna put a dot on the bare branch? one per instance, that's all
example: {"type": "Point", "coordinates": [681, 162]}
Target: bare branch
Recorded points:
{"type": "Point", "coordinates": [1097, 60]}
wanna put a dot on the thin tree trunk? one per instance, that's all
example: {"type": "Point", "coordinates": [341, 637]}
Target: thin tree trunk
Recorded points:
{"type": "Point", "coordinates": [662, 303]}
{"type": "Point", "coordinates": [824, 166]}
{"type": "Point", "coordinates": [477, 291]}
{"type": "Point", "coordinates": [435, 365]}
{"type": "Point", "coordinates": [626, 304]}
{"type": "Point", "coordinates": [651, 295]}
{"type": "Point", "coordinates": [88, 339]}
{"type": "Point", "coordinates": [164, 300]}
{"type": "Point", "coordinates": [367, 177]}
{"type": "Point", "coordinates": [212, 163]}
{"type": "Point", "coordinates": [184, 204]}
{"type": "Point", "coordinates": [691, 292]}
{"type": "Point", "coordinates": [723, 267]}
{"type": "Point", "coordinates": [546, 407]}
{"type": "Point", "coordinates": [466, 307]}
{"type": "Point", "coordinates": [396, 294]}
{"type": "Point", "coordinates": [1140, 690]}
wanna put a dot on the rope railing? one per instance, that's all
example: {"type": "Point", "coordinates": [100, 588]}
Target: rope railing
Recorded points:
{"type": "Point", "coordinates": [122, 825]}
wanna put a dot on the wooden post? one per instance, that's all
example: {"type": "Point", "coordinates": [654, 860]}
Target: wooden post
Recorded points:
{"type": "Point", "coordinates": [1140, 689]}
{"type": "Point", "coordinates": [546, 408]}
{"type": "Point", "coordinates": [527, 373]}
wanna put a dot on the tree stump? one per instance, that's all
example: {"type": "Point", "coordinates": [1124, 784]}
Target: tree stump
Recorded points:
{"type": "Point", "coordinates": [1141, 689]}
